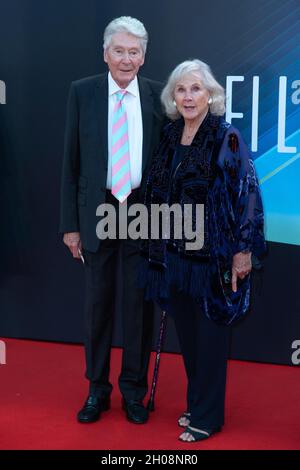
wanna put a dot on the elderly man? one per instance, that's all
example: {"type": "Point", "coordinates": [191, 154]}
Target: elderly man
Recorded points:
{"type": "Point", "coordinates": [113, 125]}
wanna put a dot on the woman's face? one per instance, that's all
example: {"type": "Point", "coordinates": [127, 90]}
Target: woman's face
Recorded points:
{"type": "Point", "coordinates": [191, 97]}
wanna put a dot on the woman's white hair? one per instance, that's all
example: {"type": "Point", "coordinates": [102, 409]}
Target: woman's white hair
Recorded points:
{"type": "Point", "coordinates": [126, 24]}
{"type": "Point", "coordinates": [203, 71]}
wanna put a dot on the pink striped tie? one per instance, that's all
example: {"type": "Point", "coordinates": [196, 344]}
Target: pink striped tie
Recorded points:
{"type": "Point", "coordinates": [121, 184]}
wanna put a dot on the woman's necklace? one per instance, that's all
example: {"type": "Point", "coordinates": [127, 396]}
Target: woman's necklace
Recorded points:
{"type": "Point", "coordinates": [189, 133]}
{"type": "Point", "coordinates": [188, 136]}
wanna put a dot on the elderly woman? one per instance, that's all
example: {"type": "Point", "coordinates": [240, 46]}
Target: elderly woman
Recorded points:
{"type": "Point", "coordinates": [202, 159]}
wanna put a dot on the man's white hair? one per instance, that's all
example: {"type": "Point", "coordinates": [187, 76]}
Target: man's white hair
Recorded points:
{"type": "Point", "coordinates": [126, 24]}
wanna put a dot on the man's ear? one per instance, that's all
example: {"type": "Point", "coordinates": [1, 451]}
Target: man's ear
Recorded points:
{"type": "Point", "coordinates": [104, 55]}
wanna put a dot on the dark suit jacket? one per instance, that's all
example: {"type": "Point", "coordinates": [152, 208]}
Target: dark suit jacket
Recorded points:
{"type": "Point", "coordinates": [84, 171]}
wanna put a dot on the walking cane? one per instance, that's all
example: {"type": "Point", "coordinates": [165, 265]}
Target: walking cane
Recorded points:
{"type": "Point", "coordinates": [163, 319]}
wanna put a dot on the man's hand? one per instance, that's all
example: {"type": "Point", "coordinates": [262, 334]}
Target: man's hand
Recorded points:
{"type": "Point", "coordinates": [72, 240]}
{"type": "Point", "coordinates": [241, 266]}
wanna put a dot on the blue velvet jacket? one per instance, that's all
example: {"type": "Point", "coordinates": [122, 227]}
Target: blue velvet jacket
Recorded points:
{"type": "Point", "coordinates": [217, 171]}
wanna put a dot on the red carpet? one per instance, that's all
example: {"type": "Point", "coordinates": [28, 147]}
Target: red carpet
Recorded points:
{"type": "Point", "coordinates": [42, 388]}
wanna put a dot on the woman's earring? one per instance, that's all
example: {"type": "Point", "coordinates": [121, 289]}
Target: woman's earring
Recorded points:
{"type": "Point", "coordinates": [174, 102]}
{"type": "Point", "coordinates": [210, 100]}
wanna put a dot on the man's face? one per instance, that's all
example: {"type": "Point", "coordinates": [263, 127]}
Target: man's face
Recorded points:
{"type": "Point", "coordinates": [124, 56]}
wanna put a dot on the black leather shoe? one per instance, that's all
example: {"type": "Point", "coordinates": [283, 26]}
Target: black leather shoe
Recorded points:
{"type": "Point", "coordinates": [135, 411]}
{"type": "Point", "coordinates": [92, 409]}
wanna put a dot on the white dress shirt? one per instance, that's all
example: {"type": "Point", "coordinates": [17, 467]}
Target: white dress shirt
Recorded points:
{"type": "Point", "coordinates": [132, 104]}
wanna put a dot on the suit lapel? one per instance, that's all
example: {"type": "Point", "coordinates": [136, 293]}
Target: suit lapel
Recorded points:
{"type": "Point", "coordinates": [147, 116]}
{"type": "Point", "coordinates": [101, 113]}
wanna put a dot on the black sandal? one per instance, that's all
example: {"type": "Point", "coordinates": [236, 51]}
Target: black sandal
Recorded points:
{"type": "Point", "coordinates": [200, 434]}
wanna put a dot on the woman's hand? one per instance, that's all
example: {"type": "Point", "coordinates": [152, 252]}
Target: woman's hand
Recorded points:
{"type": "Point", "coordinates": [241, 266]}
